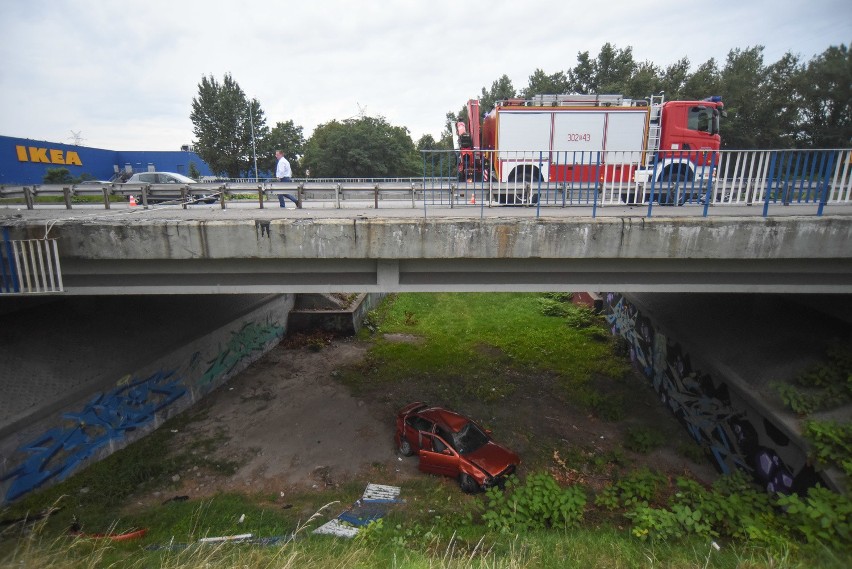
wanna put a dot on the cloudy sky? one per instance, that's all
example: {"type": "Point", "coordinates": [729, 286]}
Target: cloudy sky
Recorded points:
{"type": "Point", "coordinates": [122, 74]}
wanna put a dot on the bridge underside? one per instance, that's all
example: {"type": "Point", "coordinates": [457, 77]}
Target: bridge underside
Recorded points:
{"type": "Point", "coordinates": [242, 276]}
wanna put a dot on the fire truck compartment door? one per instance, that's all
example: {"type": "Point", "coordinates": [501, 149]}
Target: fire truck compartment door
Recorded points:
{"type": "Point", "coordinates": [523, 131]}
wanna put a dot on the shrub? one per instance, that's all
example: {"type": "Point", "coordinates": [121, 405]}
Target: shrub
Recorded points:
{"type": "Point", "coordinates": [540, 503]}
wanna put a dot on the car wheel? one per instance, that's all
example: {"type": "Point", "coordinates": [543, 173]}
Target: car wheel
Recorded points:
{"type": "Point", "coordinates": [468, 484]}
{"type": "Point", "coordinates": [405, 447]}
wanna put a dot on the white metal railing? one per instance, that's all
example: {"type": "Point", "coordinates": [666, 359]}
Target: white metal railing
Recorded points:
{"type": "Point", "coordinates": [29, 266]}
{"type": "Point", "coordinates": [683, 177]}
{"type": "Point", "coordinates": [529, 178]}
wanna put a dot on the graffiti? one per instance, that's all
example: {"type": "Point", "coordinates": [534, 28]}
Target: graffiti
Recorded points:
{"type": "Point", "coordinates": [250, 338]}
{"type": "Point", "coordinates": [703, 407]}
{"type": "Point", "coordinates": [106, 418]}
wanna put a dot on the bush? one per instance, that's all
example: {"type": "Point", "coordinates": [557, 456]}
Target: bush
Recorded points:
{"type": "Point", "coordinates": [821, 517]}
{"type": "Point", "coordinates": [539, 503]}
{"type": "Point", "coordinates": [643, 440]}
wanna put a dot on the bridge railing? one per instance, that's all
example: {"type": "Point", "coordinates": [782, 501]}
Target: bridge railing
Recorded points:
{"type": "Point", "coordinates": [536, 178]}
{"type": "Point", "coordinates": [29, 266]}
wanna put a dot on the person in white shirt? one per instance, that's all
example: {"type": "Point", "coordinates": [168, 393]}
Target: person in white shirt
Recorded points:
{"type": "Point", "coordinates": [284, 174]}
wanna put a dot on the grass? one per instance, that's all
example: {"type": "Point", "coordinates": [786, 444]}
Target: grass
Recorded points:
{"type": "Point", "coordinates": [475, 341]}
{"type": "Point", "coordinates": [477, 346]}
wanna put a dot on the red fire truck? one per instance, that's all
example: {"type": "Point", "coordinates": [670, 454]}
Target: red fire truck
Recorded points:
{"type": "Point", "coordinates": [609, 140]}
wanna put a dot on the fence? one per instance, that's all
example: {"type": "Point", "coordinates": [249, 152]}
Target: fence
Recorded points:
{"type": "Point", "coordinates": [607, 178]}
{"type": "Point", "coordinates": [526, 178]}
{"type": "Point", "coordinates": [29, 266]}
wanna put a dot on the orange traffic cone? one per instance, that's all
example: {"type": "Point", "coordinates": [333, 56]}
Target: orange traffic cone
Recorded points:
{"type": "Point", "coordinates": [132, 201]}
{"type": "Point", "coordinates": [473, 198]}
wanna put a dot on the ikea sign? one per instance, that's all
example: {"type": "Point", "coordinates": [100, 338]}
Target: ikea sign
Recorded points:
{"type": "Point", "coordinates": [47, 156]}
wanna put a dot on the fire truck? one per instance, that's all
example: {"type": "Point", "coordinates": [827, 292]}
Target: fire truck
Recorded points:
{"type": "Point", "coordinates": [624, 145]}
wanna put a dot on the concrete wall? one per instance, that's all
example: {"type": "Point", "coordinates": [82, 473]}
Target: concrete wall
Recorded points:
{"type": "Point", "coordinates": [344, 322]}
{"type": "Point", "coordinates": [722, 413]}
{"type": "Point", "coordinates": [96, 424]}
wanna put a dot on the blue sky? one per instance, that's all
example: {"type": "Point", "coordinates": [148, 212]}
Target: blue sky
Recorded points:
{"type": "Point", "coordinates": [122, 75]}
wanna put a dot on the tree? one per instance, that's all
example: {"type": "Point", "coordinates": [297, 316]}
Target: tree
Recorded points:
{"type": "Point", "coordinates": [581, 77]}
{"type": "Point", "coordinates": [542, 84]}
{"type": "Point", "coordinates": [703, 83]}
{"type": "Point", "coordinates": [57, 176]}
{"type": "Point", "coordinates": [644, 82]}
{"type": "Point", "coordinates": [366, 147]}
{"type": "Point", "coordinates": [223, 118]}
{"type": "Point", "coordinates": [826, 86]}
{"type": "Point", "coordinates": [742, 79]}
{"type": "Point", "coordinates": [285, 136]}
{"type": "Point", "coordinates": [501, 89]}
{"type": "Point", "coordinates": [613, 69]}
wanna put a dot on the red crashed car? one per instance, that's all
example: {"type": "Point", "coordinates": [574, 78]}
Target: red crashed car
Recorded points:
{"type": "Point", "coordinates": [453, 445]}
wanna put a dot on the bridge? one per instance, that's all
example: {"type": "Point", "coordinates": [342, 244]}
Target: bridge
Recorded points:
{"type": "Point", "coordinates": [770, 222]}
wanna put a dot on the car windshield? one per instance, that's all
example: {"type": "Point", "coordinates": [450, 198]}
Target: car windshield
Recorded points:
{"type": "Point", "coordinates": [469, 439]}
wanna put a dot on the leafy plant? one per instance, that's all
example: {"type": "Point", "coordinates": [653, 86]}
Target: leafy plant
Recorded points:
{"type": "Point", "coordinates": [643, 439]}
{"type": "Point", "coordinates": [539, 503]}
{"type": "Point", "coordinates": [832, 442]}
{"type": "Point", "coordinates": [641, 486]}
{"type": "Point", "coordinates": [822, 516]}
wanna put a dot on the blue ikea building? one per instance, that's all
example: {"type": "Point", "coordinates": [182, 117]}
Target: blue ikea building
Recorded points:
{"type": "Point", "coordinates": [25, 161]}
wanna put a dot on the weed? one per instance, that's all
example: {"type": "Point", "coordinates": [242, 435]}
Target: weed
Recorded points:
{"type": "Point", "coordinates": [643, 439]}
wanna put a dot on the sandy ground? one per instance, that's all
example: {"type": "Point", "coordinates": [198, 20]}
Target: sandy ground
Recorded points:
{"type": "Point", "coordinates": [292, 425]}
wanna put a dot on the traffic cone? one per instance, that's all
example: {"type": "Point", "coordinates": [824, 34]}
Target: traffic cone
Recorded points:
{"type": "Point", "coordinates": [473, 198]}
{"type": "Point", "coordinates": [132, 201]}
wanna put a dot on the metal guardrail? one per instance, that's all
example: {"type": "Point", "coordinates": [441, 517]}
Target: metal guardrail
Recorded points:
{"type": "Point", "coordinates": [529, 179]}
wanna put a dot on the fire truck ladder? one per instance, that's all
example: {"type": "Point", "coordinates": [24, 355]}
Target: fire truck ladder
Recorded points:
{"type": "Point", "coordinates": [654, 126]}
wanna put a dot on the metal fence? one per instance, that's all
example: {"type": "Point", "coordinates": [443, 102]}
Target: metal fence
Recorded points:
{"type": "Point", "coordinates": [672, 178]}
{"type": "Point", "coordinates": [29, 266]}
{"type": "Point", "coordinates": [535, 178]}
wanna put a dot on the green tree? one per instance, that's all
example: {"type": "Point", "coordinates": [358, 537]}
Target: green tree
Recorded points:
{"type": "Point", "coordinates": [742, 80]}
{"type": "Point", "coordinates": [501, 89]}
{"type": "Point", "coordinates": [644, 82]}
{"type": "Point", "coordinates": [826, 86]}
{"type": "Point", "coordinates": [673, 79]}
{"type": "Point", "coordinates": [781, 109]}
{"type": "Point", "coordinates": [222, 121]}
{"type": "Point", "coordinates": [613, 69]}
{"type": "Point", "coordinates": [581, 79]}
{"type": "Point", "coordinates": [704, 82]}
{"type": "Point", "coordinates": [366, 147]}
{"type": "Point", "coordinates": [285, 136]}
{"type": "Point", "coordinates": [57, 176]}
{"type": "Point", "coordinates": [542, 84]}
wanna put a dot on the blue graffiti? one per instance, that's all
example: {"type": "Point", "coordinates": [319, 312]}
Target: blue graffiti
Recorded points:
{"type": "Point", "coordinates": [106, 418]}
{"type": "Point", "coordinates": [704, 409]}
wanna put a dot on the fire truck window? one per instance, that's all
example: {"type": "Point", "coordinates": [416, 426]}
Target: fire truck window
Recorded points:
{"type": "Point", "coordinates": [699, 119]}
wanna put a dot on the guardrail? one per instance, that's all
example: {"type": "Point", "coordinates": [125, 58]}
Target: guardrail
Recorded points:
{"type": "Point", "coordinates": [528, 179]}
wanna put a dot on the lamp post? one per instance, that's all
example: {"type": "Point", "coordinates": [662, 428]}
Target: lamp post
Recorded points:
{"type": "Point", "coordinates": [253, 149]}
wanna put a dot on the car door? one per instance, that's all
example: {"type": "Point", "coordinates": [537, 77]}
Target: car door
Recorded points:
{"type": "Point", "coordinates": [415, 427]}
{"type": "Point", "coordinates": [437, 457]}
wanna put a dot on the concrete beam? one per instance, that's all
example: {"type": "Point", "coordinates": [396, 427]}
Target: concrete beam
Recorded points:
{"type": "Point", "coordinates": [722, 254]}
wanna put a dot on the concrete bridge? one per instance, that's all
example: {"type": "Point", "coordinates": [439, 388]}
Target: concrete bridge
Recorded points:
{"type": "Point", "coordinates": [243, 249]}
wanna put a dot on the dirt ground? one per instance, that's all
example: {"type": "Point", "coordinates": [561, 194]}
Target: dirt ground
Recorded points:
{"type": "Point", "coordinates": [293, 426]}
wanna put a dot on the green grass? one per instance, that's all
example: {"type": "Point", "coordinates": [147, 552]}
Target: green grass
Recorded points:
{"type": "Point", "coordinates": [475, 341]}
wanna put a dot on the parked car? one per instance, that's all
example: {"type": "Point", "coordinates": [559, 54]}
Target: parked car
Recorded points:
{"type": "Point", "coordinates": [453, 445]}
{"type": "Point", "coordinates": [159, 178]}
{"type": "Point", "coordinates": [165, 194]}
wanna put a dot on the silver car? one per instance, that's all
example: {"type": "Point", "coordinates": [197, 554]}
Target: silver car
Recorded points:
{"type": "Point", "coordinates": [159, 194]}
{"type": "Point", "coordinates": [159, 178]}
